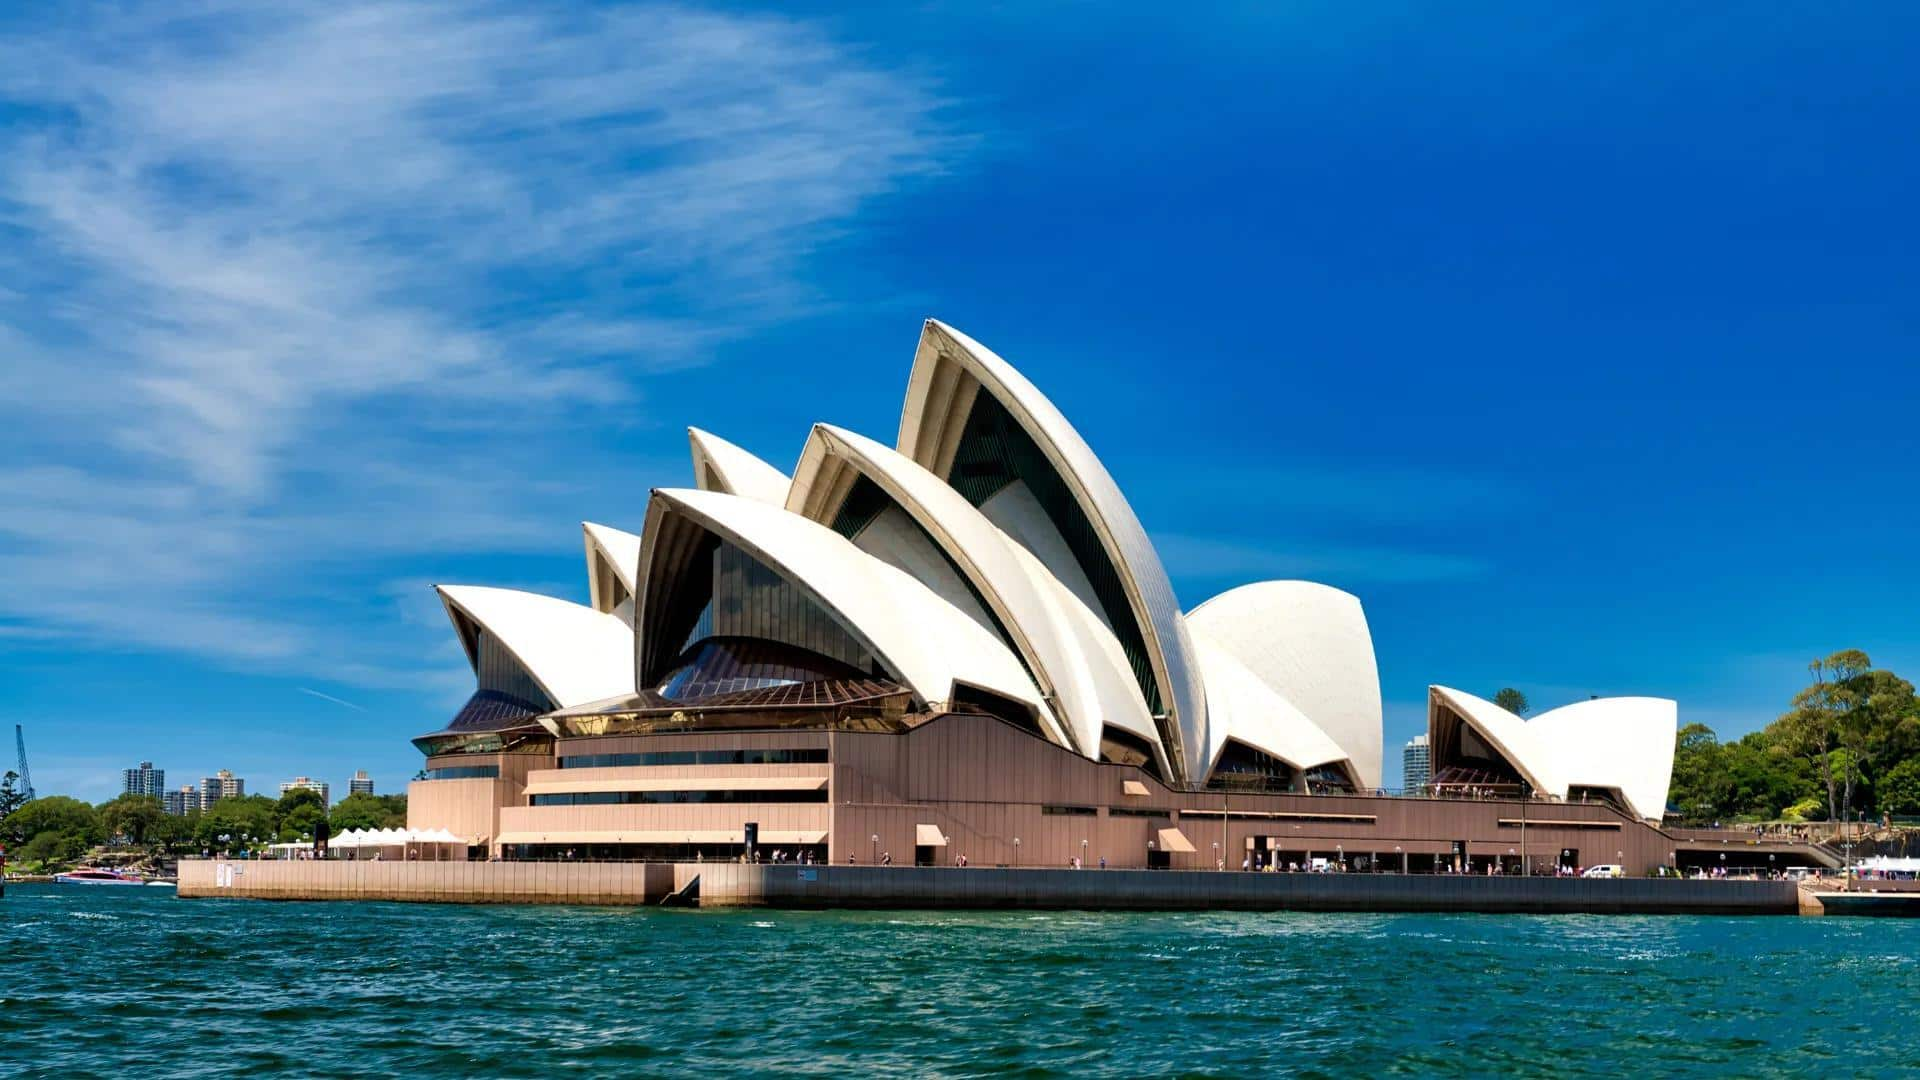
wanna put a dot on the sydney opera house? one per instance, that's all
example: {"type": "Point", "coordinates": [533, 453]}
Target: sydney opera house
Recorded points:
{"type": "Point", "coordinates": [963, 648]}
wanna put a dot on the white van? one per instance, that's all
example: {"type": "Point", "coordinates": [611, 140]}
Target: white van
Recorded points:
{"type": "Point", "coordinates": [1606, 870]}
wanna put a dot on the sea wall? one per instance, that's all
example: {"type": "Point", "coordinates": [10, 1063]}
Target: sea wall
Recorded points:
{"type": "Point", "coordinates": [429, 882]}
{"type": "Point", "coordinates": [787, 886]}
{"type": "Point", "coordinates": [724, 885]}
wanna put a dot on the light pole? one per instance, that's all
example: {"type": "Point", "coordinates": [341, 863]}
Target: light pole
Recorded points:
{"type": "Point", "coordinates": [1083, 854]}
{"type": "Point", "coordinates": [874, 858]}
{"type": "Point", "coordinates": [1397, 850]}
{"type": "Point", "coordinates": [1218, 862]}
{"type": "Point", "coordinates": [1016, 852]}
{"type": "Point", "coordinates": [1149, 854]}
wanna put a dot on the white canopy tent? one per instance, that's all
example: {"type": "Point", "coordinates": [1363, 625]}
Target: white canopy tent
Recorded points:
{"type": "Point", "coordinates": [427, 844]}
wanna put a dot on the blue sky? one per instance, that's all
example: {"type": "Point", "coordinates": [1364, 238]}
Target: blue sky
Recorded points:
{"type": "Point", "coordinates": [1581, 346]}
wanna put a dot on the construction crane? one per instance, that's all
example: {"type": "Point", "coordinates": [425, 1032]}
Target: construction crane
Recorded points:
{"type": "Point", "coordinates": [26, 778]}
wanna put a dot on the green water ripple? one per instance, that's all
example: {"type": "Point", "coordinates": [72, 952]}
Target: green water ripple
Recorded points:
{"type": "Point", "coordinates": [107, 981]}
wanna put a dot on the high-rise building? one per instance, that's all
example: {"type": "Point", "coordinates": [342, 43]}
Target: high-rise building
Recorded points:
{"type": "Point", "coordinates": [1416, 760]}
{"type": "Point", "coordinates": [145, 780]}
{"type": "Point", "coordinates": [319, 786]}
{"type": "Point", "coordinates": [221, 785]}
{"type": "Point", "coordinates": [185, 800]}
{"type": "Point", "coordinates": [361, 784]}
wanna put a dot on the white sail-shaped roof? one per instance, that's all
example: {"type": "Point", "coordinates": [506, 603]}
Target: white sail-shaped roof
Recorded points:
{"type": "Point", "coordinates": [1310, 644]}
{"type": "Point", "coordinates": [924, 642]}
{"type": "Point", "coordinates": [613, 558]}
{"type": "Point", "coordinates": [719, 465]}
{"type": "Point", "coordinates": [1242, 708]}
{"type": "Point", "coordinates": [575, 654]}
{"type": "Point", "coordinates": [1081, 669]}
{"type": "Point", "coordinates": [1622, 744]}
{"type": "Point", "coordinates": [949, 371]}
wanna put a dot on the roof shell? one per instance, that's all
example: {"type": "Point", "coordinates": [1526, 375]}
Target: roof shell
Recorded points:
{"type": "Point", "coordinates": [1624, 743]}
{"type": "Point", "coordinates": [923, 641]}
{"type": "Point", "coordinates": [619, 553]}
{"type": "Point", "coordinates": [1079, 664]}
{"type": "Point", "coordinates": [1310, 644]}
{"type": "Point", "coordinates": [719, 465]}
{"type": "Point", "coordinates": [937, 402]}
{"type": "Point", "coordinates": [1243, 708]}
{"type": "Point", "coordinates": [575, 653]}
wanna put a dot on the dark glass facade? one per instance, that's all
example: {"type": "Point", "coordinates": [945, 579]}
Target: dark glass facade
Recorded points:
{"type": "Point", "coordinates": [464, 772]}
{"type": "Point", "coordinates": [734, 665]}
{"type": "Point", "coordinates": [746, 598]}
{"type": "Point", "coordinates": [621, 798]}
{"type": "Point", "coordinates": [807, 755]}
{"type": "Point", "coordinates": [1243, 768]}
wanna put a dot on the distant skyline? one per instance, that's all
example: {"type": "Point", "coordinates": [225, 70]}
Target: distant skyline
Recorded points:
{"type": "Point", "coordinates": [1578, 344]}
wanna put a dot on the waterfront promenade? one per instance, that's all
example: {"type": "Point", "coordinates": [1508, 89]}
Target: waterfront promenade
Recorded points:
{"type": "Point", "coordinates": [822, 886]}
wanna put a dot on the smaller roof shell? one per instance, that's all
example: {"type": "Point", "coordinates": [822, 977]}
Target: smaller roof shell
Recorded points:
{"type": "Point", "coordinates": [1310, 644]}
{"type": "Point", "coordinates": [1619, 743]}
{"type": "Point", "coordinates": [575, 654]}
{"type": "Point", "coordinates": [613, 561]}
{"type": "Point", "coordinates": [1243, 708]}
{"type": "Point", "coordinates": [719, 465]}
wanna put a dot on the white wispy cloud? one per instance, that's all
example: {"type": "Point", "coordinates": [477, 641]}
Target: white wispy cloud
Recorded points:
{"type": "Point", "coordinates": [290, 289]}
{"type": "Point", "coordinates": [310, 692]}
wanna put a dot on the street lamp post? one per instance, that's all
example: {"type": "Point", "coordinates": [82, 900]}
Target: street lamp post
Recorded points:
{"type": "Point", "coordinates": [1083, 854]}
{"type": "Point", "coordinates": [1218, 862]}
{"type": "Point", "coordinates": [874, 858]}
{"type": "Point", "coordinates": [1016, 852]}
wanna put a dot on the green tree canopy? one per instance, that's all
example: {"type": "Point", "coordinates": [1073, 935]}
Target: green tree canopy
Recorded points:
{"type": "Point", "coordinates": [240, 821]}
{"type": "Point", "coordinates": [53, 829]}
{"type": "Point", "coordinates": [1852, 722]}
{"type": "Point", "coordinates": [1511, 700]}
{"type": "Point", "coordinates": [1899, 789]}
{"type": "Point", "coordinates": [52, 814]}
{"type": "Point", "coordinates": [363, 811]}
{"type": "Point", "coordinates": [299, 812]}
{"type": "Point", "coordinates": [132, 816]}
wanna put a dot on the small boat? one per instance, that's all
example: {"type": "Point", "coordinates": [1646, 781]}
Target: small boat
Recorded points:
{"type": "Point", "coordinates": [91, 875]}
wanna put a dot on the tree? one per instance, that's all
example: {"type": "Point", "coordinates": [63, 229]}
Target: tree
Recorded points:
{"type": "Point", "coordinates": [51, 829]}
{"type": "Point", "coordinates": [236, 822]}
{"type": "Point", "coordinates": [1851, 720]}
{"type": "Point", "coordinates": [363, 811]}
{"type": "Point", "coordinates": [298, 813]}
{"type": "Point", "coordinates": [11, 796]}
{"type": "Point", "coordinates": [1511, 700]}
{"type": "Point", "coordinates": [1698, 777]}
{"type": "Point", "coordinates": [52, 814]}
{"type": "Point", "coordinates": [132, 816]}
{"type": "Point", "coordinates": [174, 832]}
{"type": "Point", "coordinates": [1899, 789]}
{"type": "Point", "coordinates": [1812, 726]}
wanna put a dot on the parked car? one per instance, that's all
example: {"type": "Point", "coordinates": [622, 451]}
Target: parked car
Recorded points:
{"type": "Point", "coordinates": [1606, 870]}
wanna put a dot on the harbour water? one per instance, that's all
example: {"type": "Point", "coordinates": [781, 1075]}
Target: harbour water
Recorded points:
{"type": "Point", "coordinates": [100, 981]}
